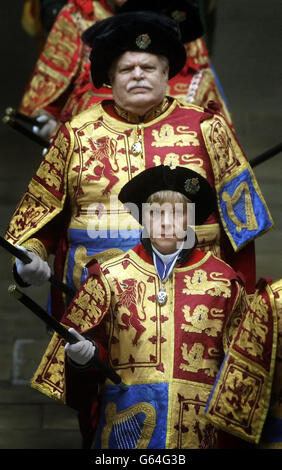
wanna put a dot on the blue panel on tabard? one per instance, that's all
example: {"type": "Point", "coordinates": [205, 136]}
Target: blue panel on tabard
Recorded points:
{"type": "Point", "coordinates": [141, 405]}
{"type": "Point", "coordinates": [97, 241]}
{"type": "Point", "coordinates": [241, 205]}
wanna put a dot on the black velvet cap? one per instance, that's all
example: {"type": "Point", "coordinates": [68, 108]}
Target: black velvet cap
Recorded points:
{"type": "Point", "coordinates": [181, 179]}
{"type": "Point", "coordinates": [185, 12]}
{"type": "Point", "coordinates": [143, 31]}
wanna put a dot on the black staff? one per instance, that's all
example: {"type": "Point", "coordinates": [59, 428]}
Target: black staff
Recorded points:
{"type": "Point", "coordinates": [64, 333]}
{"type": "Point", "coordinates": [18, 116]}
{"type": "Point", "coordinates": [18, 126]}
{"type": "Point", "coordinates": [266, 155]}
{"type": "Point", "coordinates": [24, 258]}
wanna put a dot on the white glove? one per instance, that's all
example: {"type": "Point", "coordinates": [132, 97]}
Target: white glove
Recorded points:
{"type": "Point", "coordinates": [46, 130]}
{"type": "Point", "coordinates": [36, 272]}
{"type": "Point", "coordinates": [81, 352]}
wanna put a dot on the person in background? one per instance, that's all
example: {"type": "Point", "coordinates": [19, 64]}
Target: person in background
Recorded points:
{"type": "Point", "coordinates": [60, 76]}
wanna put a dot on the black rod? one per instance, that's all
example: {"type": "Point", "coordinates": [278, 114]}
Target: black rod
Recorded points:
{"type": "Point", "coordinates": [63, 332]}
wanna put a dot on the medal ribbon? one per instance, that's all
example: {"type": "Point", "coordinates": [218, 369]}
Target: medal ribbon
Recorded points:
{"type": "Point", "coordinates": [164, 268]}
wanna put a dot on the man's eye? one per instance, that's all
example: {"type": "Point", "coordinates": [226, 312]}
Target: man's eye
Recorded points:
{"type": "Point", "coordinates": [124, 70]}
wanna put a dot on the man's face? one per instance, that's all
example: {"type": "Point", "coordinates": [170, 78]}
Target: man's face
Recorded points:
{"type": "Point", "coordinates": [166, 224]}
{"type": "Point", "coordinates": [139, 81]}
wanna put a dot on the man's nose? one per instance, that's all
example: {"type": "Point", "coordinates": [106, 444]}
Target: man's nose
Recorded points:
{"type": "Point", "coordinates": [138, 72]}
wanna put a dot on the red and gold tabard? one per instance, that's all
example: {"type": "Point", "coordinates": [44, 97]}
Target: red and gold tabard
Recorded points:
{"type": "Point", "coordinates": [61, 73]}
{"type": "Point", "coordinates": [71, 209]}
{"type": "Point", "coordinates": [169, 355]}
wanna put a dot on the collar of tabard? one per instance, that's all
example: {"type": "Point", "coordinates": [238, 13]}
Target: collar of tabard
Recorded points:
{"type": "Point", "coordinates": [149, 116]}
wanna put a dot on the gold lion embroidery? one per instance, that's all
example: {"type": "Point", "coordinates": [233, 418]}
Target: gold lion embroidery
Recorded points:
{"type": "Point", "coordinates": [56, 371]}
{"type": "Point", "coordinates": [240, 393]}
{"type": "Point", "coordinates": [195, 361]}
{"type": "Point", "coordinates": [199, 321]}
{"type": "Point", "coordinates": [51, 171]}
{"type": "Point", "coordinates": [28, 214]}
{"type": "Point", "coordinates": [253, 337]}
{"type": "Point", "coordinates": [173, 160]}
{"type": "Point", "coordinates": [199, 284]}
{"type": "Point", "coordinates": [259, 305]}
{"type": "Point", "coordinates": [85, 313]}
{"type": "Point", "coordinates": [166, 137]}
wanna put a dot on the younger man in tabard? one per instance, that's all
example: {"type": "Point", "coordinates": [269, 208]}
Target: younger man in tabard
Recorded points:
{"type": "Point", "coordinates": [163, 315]}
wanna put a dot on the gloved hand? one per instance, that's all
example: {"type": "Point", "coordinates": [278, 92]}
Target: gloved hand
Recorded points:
{"type": "Point", "coordinates": [36, 272]}
{"type": "Point", "coordinates": [81, 352]}
{"type": "Point", "coordinates": [48, 128]}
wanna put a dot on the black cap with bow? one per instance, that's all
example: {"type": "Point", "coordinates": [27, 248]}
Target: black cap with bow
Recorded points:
{"type": "Point", "coordinates": [181, 179]}
{"type": "Point", "coordinates": [143, 31]}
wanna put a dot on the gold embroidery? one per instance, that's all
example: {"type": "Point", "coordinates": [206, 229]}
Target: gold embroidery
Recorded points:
{"type": "Point", "coordinates": [241, 393]}
{"type": "Point", "coordinates": [81, 259]}
{"type": "Point", "coordinates": [199, 321]}
{"type": "Point", "coordinates": [38, 92]}
{"type": "Point", "coordinates": [192, 431]}
{"type": "Point", "coordinates": [78, 317]}
{"type": "Point", "coordinates": [196, 362]}
{"type": "Point", "coordinates": [62, 143]}
{"type": "Point", "coordinates": [65, 26]}
{"type": "Point", "coordinates": [167, 137]}
{"type": "Point", "coordinates": [59, 50]}
{"type": "Point", "coordinates": [173, 160]}
{"type": "Point", "coordinates": [51, 170]}
{"type": "Point", "coordinates": [149, 116]}
{"type": "Point", "coordinates": [85, 313]}
{"type": "Point", "coordinates": [56, 374]}
{"type": "Point", "coordinates": [221, 142]}
{"type": "Point", "coordinates": [195, 163]}
{"type": "Point", "coordinates": [36, 247]}
{"type": "Point", "coordinates": [127, 421]}
{"type": "Point", "coordinates": [239, 309]}
{"type": "Point", "coordinates": [49, 376]}
{"type": "Point", "coordinates": [251, 222]}
{"type": "Point", "coordinates": [27, 216]}
{"type": "Point", "coordinates": [253, 337]}
{"type": "Point", "coordinates": [259, 305]}
{"type": "Point", "coordinates": [200, 285]}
